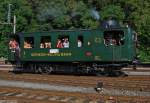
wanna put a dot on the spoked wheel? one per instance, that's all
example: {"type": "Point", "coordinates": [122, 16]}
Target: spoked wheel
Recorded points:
{"type": "Point", "coordinates": [47, 70]}
{"type": "Point", "coordinates": [38, 70]}
{"type": "Point", "coordinates": [44, 69]}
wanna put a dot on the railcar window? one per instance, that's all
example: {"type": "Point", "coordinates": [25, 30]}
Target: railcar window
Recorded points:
{"type": "Point", "coordinates": [80, 41]}
{"type": "Point", "coordinates": [45, 42]}
{"type": "Point", "coordinates": [28, 42]}
{"type": "Point", "coordinates": [63, 42]}
{"type": "Point", "coordinates": [114, 38]}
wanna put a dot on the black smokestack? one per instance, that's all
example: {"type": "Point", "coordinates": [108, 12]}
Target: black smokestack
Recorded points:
{"type": "Point", "coordinates": [110, 22]}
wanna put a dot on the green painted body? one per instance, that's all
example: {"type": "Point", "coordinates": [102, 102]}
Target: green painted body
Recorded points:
{"type": "Point", "coordinates": [93, 50]}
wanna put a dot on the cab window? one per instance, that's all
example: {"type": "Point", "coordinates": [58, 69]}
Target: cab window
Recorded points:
{"type": "Point", "coordinates": [114, 38]}
{"type": "Point", "coordinates": [28, 42]}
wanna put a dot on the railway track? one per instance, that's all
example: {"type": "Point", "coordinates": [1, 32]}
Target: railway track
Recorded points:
{"type": "Point", "coordinates": [133, 83]}
{"type": "Point", "coordinates": [40, 96]}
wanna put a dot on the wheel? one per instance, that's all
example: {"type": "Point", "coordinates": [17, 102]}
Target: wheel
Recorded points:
{"type": "Point", "coordinates": [44, 69]}
{"type": "Point", "coordinates": [47, 70]}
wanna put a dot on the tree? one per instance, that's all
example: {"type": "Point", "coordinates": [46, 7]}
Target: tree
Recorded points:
{"type": "Point", "coordinates": [45, 15]}
{"type": "Point", "coordinates": [24, 18]}
{"type": "Point", "coordinates": [112, 11]}
{"type": "Point", "coordinates": [141, 18]}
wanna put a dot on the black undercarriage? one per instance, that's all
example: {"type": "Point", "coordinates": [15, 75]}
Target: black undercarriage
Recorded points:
{"type": "Point", "coordinates": [81, 68]}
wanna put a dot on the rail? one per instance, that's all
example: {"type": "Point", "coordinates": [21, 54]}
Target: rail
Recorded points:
{"type": "Point", "coordinates": [143, 65]}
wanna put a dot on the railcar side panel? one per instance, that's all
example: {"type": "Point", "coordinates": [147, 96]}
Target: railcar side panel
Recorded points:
{"type": "Point", "coordinates": [94, 47]}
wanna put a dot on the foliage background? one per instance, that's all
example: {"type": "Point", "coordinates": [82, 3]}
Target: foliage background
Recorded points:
{"type": "Point", "coordinates": [45, 15]}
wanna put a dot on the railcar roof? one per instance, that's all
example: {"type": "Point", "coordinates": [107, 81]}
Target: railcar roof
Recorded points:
{"type": "Point", "coordinates": [75, 30]}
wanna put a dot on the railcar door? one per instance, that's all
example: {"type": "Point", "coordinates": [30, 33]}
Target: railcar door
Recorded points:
{"type": "Point", "coordinates": [113, 41]}
{"type": "Point", "coordinates": [98, 48]}
{"type": "Point", "coordinates": [119, 39]}
{"type": "Point", "coordinates": [116, 53]}
{"type": "Point", "coordinates": [14, 48]}
{"type": "Point", "coordinates": [83, 46]}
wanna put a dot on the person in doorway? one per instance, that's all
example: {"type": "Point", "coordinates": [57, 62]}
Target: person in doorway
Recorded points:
{"type": "Point", "coordinates": [13, 44]}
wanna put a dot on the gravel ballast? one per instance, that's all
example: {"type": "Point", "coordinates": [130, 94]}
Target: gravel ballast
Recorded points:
{"type": "Point", "coordinates": [65, 88]}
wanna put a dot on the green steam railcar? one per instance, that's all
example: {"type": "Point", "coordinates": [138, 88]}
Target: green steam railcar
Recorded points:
{"type": "Point", "coordinates": [87, 51]}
